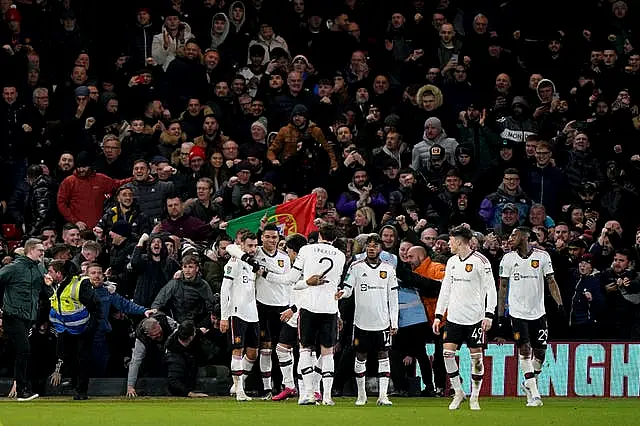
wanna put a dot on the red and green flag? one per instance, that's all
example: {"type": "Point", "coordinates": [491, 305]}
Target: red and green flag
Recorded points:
{"type": "Point", "coordinates": [293, 217]}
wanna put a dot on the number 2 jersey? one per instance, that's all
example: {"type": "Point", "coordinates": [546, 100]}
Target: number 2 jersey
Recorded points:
{"type": "Point", "coordinates": [468, 290]}
{"type": "Point", "coordinates": [526, 282]}
{"type": "Point", "coordinates": [375, 289]}
{"type": "Point", "coordinates": [238, 292]}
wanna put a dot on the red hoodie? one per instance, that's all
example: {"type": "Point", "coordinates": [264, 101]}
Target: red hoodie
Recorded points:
{"type": "Point", "coordinates": [82, 199]}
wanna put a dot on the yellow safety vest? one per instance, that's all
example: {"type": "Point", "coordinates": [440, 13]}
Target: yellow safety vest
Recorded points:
{"type": "Point", "coordinates": [67, 313]}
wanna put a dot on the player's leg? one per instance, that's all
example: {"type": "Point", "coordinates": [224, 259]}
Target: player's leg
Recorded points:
{"type": "Point", "coordinates": [317, 374]}
{"type": "Point", "coordinates": [523, 341]}
{"type": "Point", "coordinates": [327, 337]}
{"type": "Point", "coordinates": [540, 333]}
{"type": "Point", "coordinates": [264, 314]}
{"type": "Point", "coordinates": [238, 329]}
{"type": "Point", "coordinates": [284, 350]}
{"type": "Point", "coordinates": [475, 342]}
{"type": "Point", "coordinates": [251, 342]}
{"type": "Point", "coordinates": [452, 339]}
{"type": "Point", "coordinates": [360, 366]}
{"type": "Point", "coordinates": [382, 345]}
{"type": "Point", "coordinates": [307, 338]}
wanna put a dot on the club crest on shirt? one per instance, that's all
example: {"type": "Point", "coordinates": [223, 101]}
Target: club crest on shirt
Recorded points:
{"type": "Point", "coordinates": [383, 274]}
{"type": "Point", "coordinates": [516, 336]}
{"type": "Point", "coordinates": [535, 263]}
{"type": "Point", "coordinates": [356, 342]}
{"type": "Point", "coordinates": [237, 339]}
{"type": "Point", "coordinates": [281, 263]}
{"type": "Point", "coordinates": [229, 269]}
{"type": "Point", "coordinates": [468, 267]}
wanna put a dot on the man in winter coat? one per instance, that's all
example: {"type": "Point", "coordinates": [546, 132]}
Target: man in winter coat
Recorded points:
{"type": "Point", "coordinates": [189, 297]}
{"type": "Point", "coordinates": [81, 196]}
{"type": "Point", "coordinates": [587, 301]}
{"type": "Point", "coordinates": [153, 267]}
{"type": "Point", "coordinates": [108, 298]}
{"type": "Point", "coordinates": [148, 352]}
{"type": "Point", "coordinates": [21, 287]}
{"type": "Point", "coordinates": [519, 125]}
{"type": "Point", "coordinates": [509, 192]}
{"type": "Point", "coordinates": [181, 360]}
{"type": "Point", "coordinates": [149, 192]}
{"type": "Point", "coordinates": [433, 134]}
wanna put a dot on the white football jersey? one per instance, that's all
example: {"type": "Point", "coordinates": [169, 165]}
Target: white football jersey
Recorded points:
{"type": "Point", "coordinates": [526, 282]}
{"type": "Point", "coordinates": [375, 289]}
{"type": "Point", "coordinates": [238, 292]}
{"type": "Point", "coordinates": [468, 289]}
{"type": "Point", "coordinates": [297, 300]}
{"type": "Point", "coordinates": [317, 259]}
{"type": "Point", "coordinates": [269, 292]}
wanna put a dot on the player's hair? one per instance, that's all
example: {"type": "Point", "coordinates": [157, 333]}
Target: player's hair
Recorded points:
{"type": "Point", "coordinates": [249, 236]}
{"type": "Point", "coordinates": [524, 230]}
{"type": "Point", "coordinates": [295, 242]}
{"type": "Point", "coordinates": [461, 232]}
{"type": "Point", "coordinates": [373, 238]}
{"type": "Point", "coordinates": [328, 231]}
{"type": "Point", "coordinates": [270, 227]}
{"type": "Point", "coordinates": [31, 244]}
{"type": "Point", "coordinates": [241, 232]}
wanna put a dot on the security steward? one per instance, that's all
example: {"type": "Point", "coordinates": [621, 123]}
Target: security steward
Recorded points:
{"type": "Point", "coordinates": [75, 313]}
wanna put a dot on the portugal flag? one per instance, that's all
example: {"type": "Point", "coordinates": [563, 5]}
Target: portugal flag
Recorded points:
{"type": "Point", "coordinates": [293, 217]}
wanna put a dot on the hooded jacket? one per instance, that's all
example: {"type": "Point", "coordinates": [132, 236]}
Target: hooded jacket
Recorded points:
{"type": "Point", "coordinates": [164, 57]}
{"type": "Point", "coordinates": [517, 128]}
{"type": "Point", "coordinates": [151, 275]}
{"type": "Point", "coordinates": [217, 41]}
{"type": "Point", "coordinates": [491, 207]}
{"type": "Point", "coordinates": [421, 153]}
{"type": "Point", "coordinates": [285, 144]}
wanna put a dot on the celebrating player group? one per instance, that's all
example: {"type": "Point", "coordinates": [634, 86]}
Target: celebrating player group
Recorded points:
{"type": "Point", "coordinates": [269, 298]}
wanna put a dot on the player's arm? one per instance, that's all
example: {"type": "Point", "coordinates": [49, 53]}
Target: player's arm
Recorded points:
{"type": "Point", "coordinates": [505, 274]}
{"type": "Point", "coordinates": [553, 288]}
{"type": "Point", "coordinates": [502, 296]}
{"type": "Point", "coordinates": [347, 285]}
{"type": "Point", "coordinates": [392, 297]}
{"type": "Point", "coordinates": [290, 277]}
{"type": "Point", "coordinates": [489, 284]}
{"type": "Point", "coordinates": [445, 293]}
{"type": "Point", "coordinates": [231, 270]}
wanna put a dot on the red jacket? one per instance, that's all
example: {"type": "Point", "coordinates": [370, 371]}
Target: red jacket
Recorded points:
{"type": "Point", "coordinates": [82, 199]}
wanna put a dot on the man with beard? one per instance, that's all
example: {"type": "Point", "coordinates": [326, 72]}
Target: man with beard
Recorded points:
{"type": "Point", "coordinates": [622, 292]}
{"type": "Point", "coordinates": [125, 210]}
{"type": "Point", "coordinates": [153, 267]}
{"type": "Point", "coordinates": [151, 335]}
{"type": "Point", "coordinates": [359, 194]}
{"type": "Point", "coordinates": [214, 261]}
{"type": "Point", "coordinates": [81, 195]}
{"type": "Point", "coordinates": [184, 226]}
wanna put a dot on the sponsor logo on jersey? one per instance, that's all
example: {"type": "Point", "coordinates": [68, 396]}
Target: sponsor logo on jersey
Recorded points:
{"type": "Point", "coordinates": [516, 276]}
{"type": "Point", "coordinates": [535, 263]}
{"type": "Point", "coordinates": [281, 263]}
{"type": "Point", "coordinates": [229, 268]}
{"type": "Point", "coordinates": [468, 267]}
{"type": "Point", "coordinates": [383, 274]}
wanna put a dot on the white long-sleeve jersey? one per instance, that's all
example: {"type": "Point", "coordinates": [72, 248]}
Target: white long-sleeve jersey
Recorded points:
{"type": "Point", "coordinates": [375, 289]}
{"type": "Point", "coordinates": [468, 290]}
{"type": "Point", "coordinates": [269, 292]}
{"type": "Point", "coordinates": [238, 292]}
{"type": "Point", "coordinates": [316, 259]}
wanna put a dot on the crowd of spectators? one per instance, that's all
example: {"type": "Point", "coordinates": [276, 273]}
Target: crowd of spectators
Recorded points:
{"type": "Point", "coordinates": [131, 132]}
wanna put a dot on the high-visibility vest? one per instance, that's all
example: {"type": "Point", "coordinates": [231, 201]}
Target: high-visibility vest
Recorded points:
{"type": "Point", "coordinates": [67, 313]}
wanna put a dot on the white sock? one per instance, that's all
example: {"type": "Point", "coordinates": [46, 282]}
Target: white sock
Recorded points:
{"type": "Point", "coordinates": [537, 365]}
{"type": "Point", "coordinates": [317, 372]}
{"type": "Point", "coordinates": [360, 369]}
{"type": "Point", "coordinates": [384, 372]}
{"type": "Point", "coordinates": [529, 377]}
{"type": "Point", "coordinates": [301, 388]}
{"type": "Point", "coordinates": [265, 368]}
{"type": "Point", "coordinates": [477, 373]}
{"type": "Point", "coordinates": [236, 372]}
{"type": "Point", "coordinates": [306, 369]}
{"type": "Point", "coordinates": [247, 366]}
{"type": "Point", "coordinates": [285, 360]}
{"type": "Point", "coordinates": [451, 366]}
{"type": "Point", "coordinates": [327, 375]}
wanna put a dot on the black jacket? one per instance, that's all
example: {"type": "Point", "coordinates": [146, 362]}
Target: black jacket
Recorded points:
{"type": "Point", "coordinates": [151, 275]}
{"type": "Point", "coordinates": [182, 367]}
{"type": "Point", "coordinates": [188, 300]}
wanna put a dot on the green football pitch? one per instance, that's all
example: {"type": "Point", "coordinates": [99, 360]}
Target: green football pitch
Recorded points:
{"type": "Point", "coordinates": [405, 411]}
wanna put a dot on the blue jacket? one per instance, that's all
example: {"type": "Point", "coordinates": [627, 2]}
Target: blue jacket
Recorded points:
{"type": "Point", "coordinates": [107, 300]}
{"type": "Point", "coordinates": [548, 186]}
{"type": "Point", "coordinates": [584, 312]}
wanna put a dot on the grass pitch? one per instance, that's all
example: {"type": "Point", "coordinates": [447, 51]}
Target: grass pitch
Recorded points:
{"type": "Point", "coordinates": [226, 411]}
